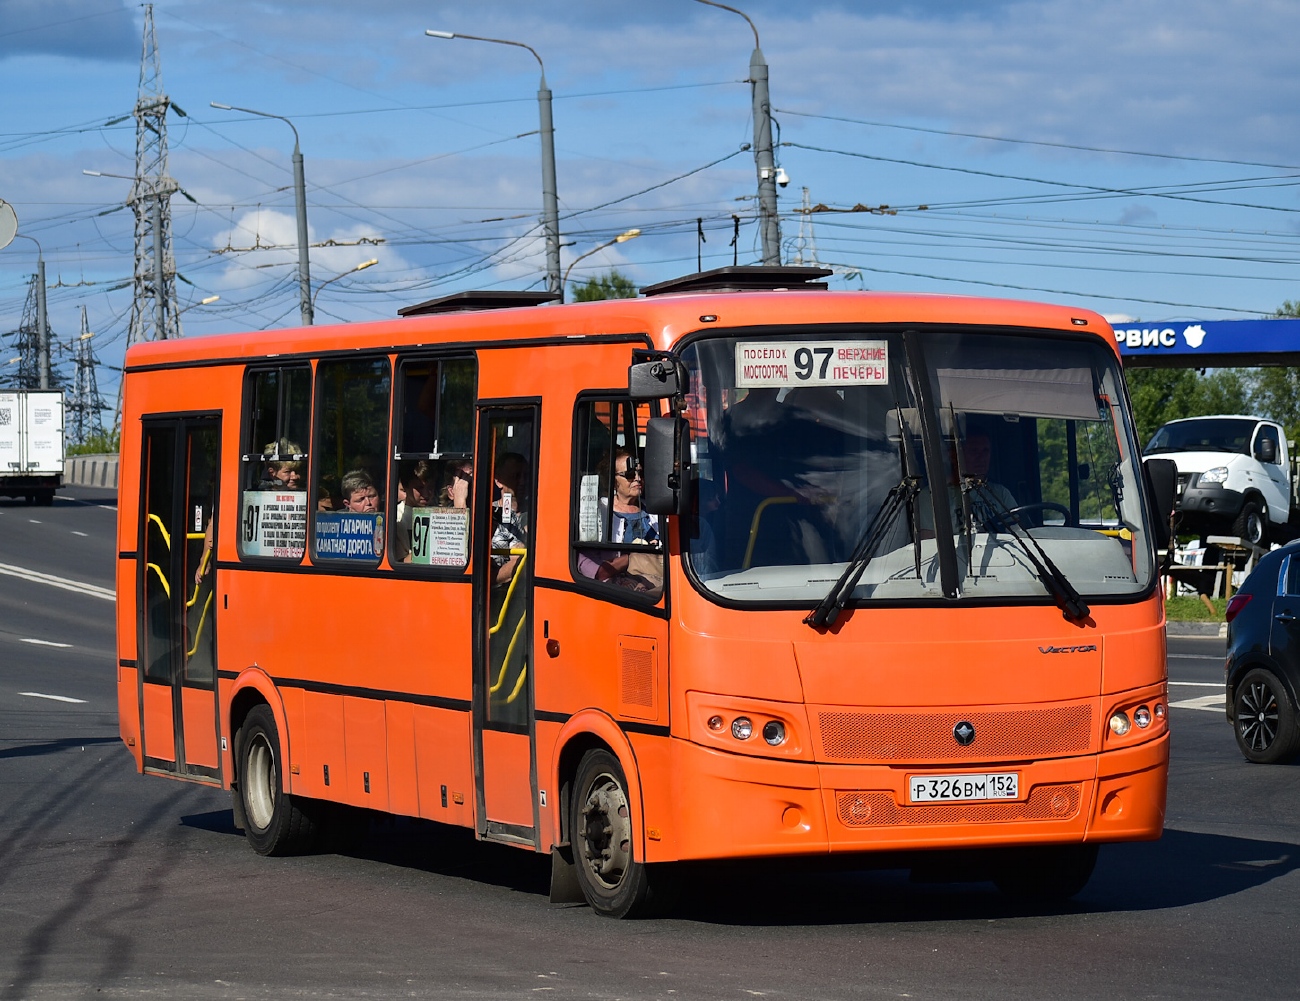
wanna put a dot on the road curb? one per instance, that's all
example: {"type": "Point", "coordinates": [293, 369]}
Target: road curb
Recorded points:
{"type": "Point", "coordinates": [1219, 629]}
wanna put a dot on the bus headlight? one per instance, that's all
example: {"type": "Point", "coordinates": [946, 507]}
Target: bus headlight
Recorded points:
{"type": "Point", "coordinates": [742, 728]}
{"type": "Point", "coordinates": [1119, 724]}
{"type": "Point", "coordinates": [774, 732]}
{"type": "Point", "coordinates": [1142, 717]}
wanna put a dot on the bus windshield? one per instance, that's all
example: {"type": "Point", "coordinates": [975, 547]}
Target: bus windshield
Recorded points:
{"type": "Point", "coordinates": [948, 464]}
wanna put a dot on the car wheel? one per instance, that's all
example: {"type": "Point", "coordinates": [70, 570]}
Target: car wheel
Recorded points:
{"type": "Point", "coordinates": [1252, 523]}
{"type": "Point", "coordinates": [1264, 720]}
{"type": "Point", "coordinates": [1046, 873]}
{"type": "Point", "coordinates": [275, 823]}
{"type": "Point", "coordinates": [614, 883]}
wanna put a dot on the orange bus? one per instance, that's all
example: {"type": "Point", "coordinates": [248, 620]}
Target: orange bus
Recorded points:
{"type": "Point", "coordinates": [740, 568]}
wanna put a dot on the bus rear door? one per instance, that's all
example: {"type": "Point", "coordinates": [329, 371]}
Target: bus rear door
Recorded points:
{"type": "Point", "coordinates": [504, 737]}
{"type": "Point", "coordinates": [177, 656]}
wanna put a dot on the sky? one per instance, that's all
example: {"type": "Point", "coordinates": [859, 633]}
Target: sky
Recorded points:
{"type": "Point", "coordinates": [1136, 157]}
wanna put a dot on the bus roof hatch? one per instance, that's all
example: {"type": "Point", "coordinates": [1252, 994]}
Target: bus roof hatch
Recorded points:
{"type": "Point", "coordinates": [743, 278]}
{"type": "Point", "coordinates": [472, 301]}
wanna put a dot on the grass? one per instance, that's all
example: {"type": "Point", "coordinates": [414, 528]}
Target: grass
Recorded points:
{"type": "Point", "coordinates": [1190, 608]}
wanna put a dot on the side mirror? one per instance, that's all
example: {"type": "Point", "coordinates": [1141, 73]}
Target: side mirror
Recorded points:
{"type": "Point", "coordinates": [1161, 482]}
{"type": "Point", "coordinates": [666, 466]}
{"type": "Point", "coordinates": [1266, 450]}
{"type": "Point", "coordinates": [653, 380]}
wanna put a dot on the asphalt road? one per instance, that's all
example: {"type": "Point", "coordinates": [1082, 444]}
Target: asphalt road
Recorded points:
{"type": "Point", "coordinates": [117, 885]}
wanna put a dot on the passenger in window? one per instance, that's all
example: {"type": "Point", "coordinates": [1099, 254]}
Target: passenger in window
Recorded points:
{"type": "Point", "coordinates": [989, 500]}
{"type": "Point", "coordinates": [418, 481]}
{"type": "Point", "coordinates": [629, 523]}
{"type": "Point", "coordinates": [457, 481]}
{"type": "Point", "coordinates": [359, 492]}
{"type": "Point", "coordinates": [282, 474]}
{"type": "Point", "coordinates": [509, 516]}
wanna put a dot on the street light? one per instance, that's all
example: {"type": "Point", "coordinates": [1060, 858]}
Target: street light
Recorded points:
{"type": "Point", "coordinates": [768, 176]}
{"type": "Point", "coordinates": [550, 204]}
{"type": "Point", "coordinates": [630, 234]}
{"type": "Point", "coordinates": [300, 203]}
{"type": "Point", "coordinates": [42, 314]}
{"type": "Point", "coordinates": [360, 267]}
{"type": "Point", "coordinates": [207, 301]}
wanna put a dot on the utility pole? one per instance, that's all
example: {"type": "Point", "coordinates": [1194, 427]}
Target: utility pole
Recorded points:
{"type": "Point", "coordinates": [154, 313]}
{"type": "Point", "coordinates": [769, 221]}
{"type": "Point", "coordinates": [42, 328]}
{"type": "Point", "coordinates": [86, 406]}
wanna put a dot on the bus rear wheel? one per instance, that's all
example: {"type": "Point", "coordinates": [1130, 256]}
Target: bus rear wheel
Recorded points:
{"type": "Point", "coordinates": [275, 822]}
{"type": "Point", "coordinates": [613, 882]}
{"type": "Point", "coordinates": [1046, 873]}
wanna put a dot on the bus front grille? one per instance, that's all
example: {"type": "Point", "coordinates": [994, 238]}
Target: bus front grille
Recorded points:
{"type": "Point", "coordinates": [928, 737]}
{"type": "Point", "coordinates": [878, 808]}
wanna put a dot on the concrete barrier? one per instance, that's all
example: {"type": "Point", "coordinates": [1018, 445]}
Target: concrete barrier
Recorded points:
{"type": "Point", "coordinates": [91, 471]}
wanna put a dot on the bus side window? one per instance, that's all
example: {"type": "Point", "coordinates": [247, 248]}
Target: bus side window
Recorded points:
{"type": "Point", "coordinates": [350, 471]}
{"type": "Point", "coordinates": [433, 463]}
{"type": "Point", "coordinates": [615, 541]}
{"type": "Point", "coordinates": [273, 473]}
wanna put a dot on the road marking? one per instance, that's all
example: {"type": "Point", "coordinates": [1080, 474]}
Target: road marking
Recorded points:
{"type": "Point", "coordinates": [1214, 703]}
{"type": "Point", "coordinates": [36, 577]}
{"type": "Point", "coordinates": [46, 643]}
{"type": "Point", "coordinates": [55, 698]}
{"type": "Point", "coordinates": [82, 534]}
{"type": "Point", "coordinates": [1193, 656]}
{"type": "Point", "coordinates": [35, 522]}
{"type": "Point", "coordinates": [106, 507]}
{"type": "Point", "coordinates": [1199, 684]}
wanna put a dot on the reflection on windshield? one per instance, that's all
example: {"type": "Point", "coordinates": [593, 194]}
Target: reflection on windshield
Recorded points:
{"type": "Point", "coordinates": [1023, 477]}
{"type": "Point", "coordinates": [1203, 434]}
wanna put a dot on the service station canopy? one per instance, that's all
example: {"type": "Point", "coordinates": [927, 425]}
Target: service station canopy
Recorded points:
{"type": "Point", "coordinates": [1209, 343]}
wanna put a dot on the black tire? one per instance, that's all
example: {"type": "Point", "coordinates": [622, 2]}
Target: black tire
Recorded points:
{"type": "Point", "coordinates": [1264, 720]}
{"type": "Point", "coordinates": [613, 882]}
{"type": "Point", "coordinates": [45, 498]}
{"type": "Point", "coordinates": [1046, 873]}
{"type": "Point", "coordinates": [1252, 522]}
{"type": "Point", "coordinates": [275, 823]}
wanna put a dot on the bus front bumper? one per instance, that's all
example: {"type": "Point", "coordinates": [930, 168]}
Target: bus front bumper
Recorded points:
{"type": "Point", "coordinates": [732, 806]}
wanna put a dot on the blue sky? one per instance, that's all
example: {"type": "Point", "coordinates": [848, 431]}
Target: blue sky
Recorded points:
{"type": "Point", "coordinates": [1137, 157]}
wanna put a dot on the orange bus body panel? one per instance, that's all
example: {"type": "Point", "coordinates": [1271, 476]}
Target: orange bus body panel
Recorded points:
{"type": "Point", "coordinates": [370, 674]}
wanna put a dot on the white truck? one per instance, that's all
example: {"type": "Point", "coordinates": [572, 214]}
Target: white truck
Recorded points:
{"type": "Point", "coordinates": [1235, 476]}
{"type": "Point", "coordinates": [31, 444]}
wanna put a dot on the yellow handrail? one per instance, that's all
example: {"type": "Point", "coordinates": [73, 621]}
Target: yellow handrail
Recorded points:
{"type": "Point", "coordinates": [198, 633]}
{"type": "Point", "coordinates": [523, 557]}
{"type": "Point", "coordinates": [167, 539]}
{"type": "Point", "coordinates": [505, 661]}
{"type": "Point", "coordinates": [161, 577]}
{"type": "Point", "coordinates": [753, 525]}
{"type": "Point", "coordinates": [518, 686]}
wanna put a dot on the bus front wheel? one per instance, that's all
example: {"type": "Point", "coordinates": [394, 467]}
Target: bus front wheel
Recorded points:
{"type": "Point", "coordinates": [275, 822]}
{"type": "Point", "coordinates": [613, 882]}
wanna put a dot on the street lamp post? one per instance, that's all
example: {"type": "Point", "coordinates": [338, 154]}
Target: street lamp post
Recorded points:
{"type": "Point", "coordinates": [42, 317]}
{"type": "Point", "coordinates": [300, 203]}
{"type": "Point", "coordinates": [630, 234]}
{"type": "Point", "coordinates": [550, 203]}
{"type": "Point", "coordinates": [764, 160]}
{"type": "Point", "coordinates": [360, 267]}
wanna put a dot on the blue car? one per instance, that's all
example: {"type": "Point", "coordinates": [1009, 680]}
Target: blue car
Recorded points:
{"type": "Point", "coordinates": [1263, 665]}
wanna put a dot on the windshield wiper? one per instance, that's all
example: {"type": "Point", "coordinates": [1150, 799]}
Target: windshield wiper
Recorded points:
{"type": "Point", "coordinates": [1071, 603]}
{"type": "Point", "coordinates": [899, 499]}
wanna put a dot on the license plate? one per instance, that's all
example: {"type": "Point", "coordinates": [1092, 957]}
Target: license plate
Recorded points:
{"type": "Point", "coordinates": [961, 788]}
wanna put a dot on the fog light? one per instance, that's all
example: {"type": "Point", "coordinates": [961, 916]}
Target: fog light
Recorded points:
{"type": "Point", "coordinates": [1160, 710]}
{"type": "Point", "coordinates": [742, 728]}
{"type": "Point", "coordinates": [1142, 717]}
{"type": "Point", "coordinates": [715, 722]}
{"type": "Point", "coordinates": [1119, 724]}
{"type": "Point", "coordinates": [774, 732]}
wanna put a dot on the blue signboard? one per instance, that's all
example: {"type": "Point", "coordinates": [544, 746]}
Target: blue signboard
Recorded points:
{"type": "Point", "coordinates": [1210, 343]}
{"type": "Point", "coordinates": [349, 535]}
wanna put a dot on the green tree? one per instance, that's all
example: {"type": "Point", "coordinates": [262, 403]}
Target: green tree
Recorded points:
{"type": "Point", "coordinates": [613, 285]}
{"type": "Point", "coordinates": [1165, 394]}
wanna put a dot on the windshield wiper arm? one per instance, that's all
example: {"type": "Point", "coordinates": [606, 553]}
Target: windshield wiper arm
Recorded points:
{"type": "Point", "coordinates": [1071, 603]}
{"type": "Point", "coordinates": [828, 609]}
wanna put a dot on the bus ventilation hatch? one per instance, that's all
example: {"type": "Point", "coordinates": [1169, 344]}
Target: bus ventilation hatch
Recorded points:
{"type": "Point", "coordinates": [744, 278]}
{"type": "Point", "coordinates": [472, 301]}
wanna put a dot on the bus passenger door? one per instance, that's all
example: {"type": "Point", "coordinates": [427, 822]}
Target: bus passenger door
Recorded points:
{"type": "Point", "coordinates": [504, 739]}
{"type": "Point", "coordinates": [177, 657]}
